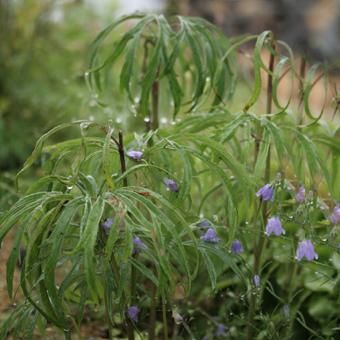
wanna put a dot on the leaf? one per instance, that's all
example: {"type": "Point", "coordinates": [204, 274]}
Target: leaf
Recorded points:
{"type": "Point", "coordinates": [90, 236]}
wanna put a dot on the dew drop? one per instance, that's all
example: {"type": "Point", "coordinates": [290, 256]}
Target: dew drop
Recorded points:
{"type": "Point", "coordinates": [164, 120]}
{"type": "Point", "coordinates": [118, 120]}
{"type": "Point", "coordinates": [147, 119]}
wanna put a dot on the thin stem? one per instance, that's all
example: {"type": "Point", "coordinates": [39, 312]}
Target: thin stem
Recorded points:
{"type": "Point", "coordinates": [122, 156]}
{"type": "Point", "coordinates": [165, 321]}
{"type": "Point", "coordinates": [302, 73]}
{"type": "Point", "coordinates": [260, 244]}
{"type": "Point", "coordinates": [155, 103]}
{"type": "Point", "coordinates": [152, 321]}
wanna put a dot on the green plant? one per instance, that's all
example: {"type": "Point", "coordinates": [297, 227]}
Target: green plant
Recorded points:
{"type": "Point", "coordinates": [142, 227]}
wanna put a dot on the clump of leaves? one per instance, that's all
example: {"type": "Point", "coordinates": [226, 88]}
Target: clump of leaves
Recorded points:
{"type": "Point", "coordinates": [215, 226]}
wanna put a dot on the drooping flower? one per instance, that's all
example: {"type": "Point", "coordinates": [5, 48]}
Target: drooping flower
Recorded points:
{"type": "Point", "coordinates": [170, 184]}
{"type": "Point", "coordinates": [135, 154]}
{"type": "Point", "coordinates": [210, 236]}
{"type": "Point", "coordinates": [301, 194]}
{"type": "Point", "coordinates": [221, 330]}
{"type": "Point", "coordinates": [256, 280]}
{"type": "Point", "coordinates": [274, 227]}
{"type": "Point", "coordinates": [204, 224]}
{"type": "Point", "coordinates": [107, 224]}
{"type": "Point", "coordinates": [266, 193]}
{"type": "Point", "coordinates": [132, 313]}
{"type": "Point", "coordinates": [138, 245]}
{"type": "Point", "coordinates": [335, 216]}
{"type": "Point", "coordinates": [236, 247]}
{"type": "Point", "coordinates": [306, 250]}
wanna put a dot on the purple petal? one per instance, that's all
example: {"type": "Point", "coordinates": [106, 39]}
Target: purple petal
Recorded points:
{"type": "Point", "coordinates": [107, 224]}
{"type": "Point", "coordinates": [306, 250]}
{"type": "Point", "coordinates": [210, 236]}
{"type": "Point", "coordinates": [221, 330]}
{"type": "Point", "coordinates": [236, 247]}
{"type": "Point", "coordinates": [132, 313]}
{"type": "Point", "coordinates": [274, 227]}
{"type": "Point", "coordinates": [335, 216]}
{"type": "Point", "coordinates": [138, 245]}
{"type": "Point", "coordinates": [301, 194]}
{"type": "Point", "coordinates": [266, 193]}
{"type": "Point", "coordinates": [204, 224]}
{"type": "Point", "coordinates": [135, 155]}
{"type": "Point", "coordinates": [256, 280]}
{"type": "Point", "coordinates": [170, 184]}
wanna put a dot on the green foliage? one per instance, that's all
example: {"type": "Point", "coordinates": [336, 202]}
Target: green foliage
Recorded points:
{"type": "Point", "coordinates": [182, 54]}
{"type": "Point", "coordinates": [77, 259]}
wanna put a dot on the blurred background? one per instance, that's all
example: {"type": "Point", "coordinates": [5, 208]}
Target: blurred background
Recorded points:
{"type": "Point", "coordinates": [44, 52]}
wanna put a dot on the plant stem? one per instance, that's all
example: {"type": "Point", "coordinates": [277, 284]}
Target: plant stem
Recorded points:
{"type": "Point", "coordinates": [152, 322]}
{"type": "Point", "coordinates": [260, 244]}
{"type": "Point", "coordinates": [302, 73]}
{"type": "Point", "coordinates": [122, 156]}
{"type": "Point", "coordinates": [165, 321]}
{"type": "Point", "coordinates": [155, 103]}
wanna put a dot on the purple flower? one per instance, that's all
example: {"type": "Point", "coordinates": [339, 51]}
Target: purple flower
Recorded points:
{"type": "Point", "coordinates": [335, 216]}
{"type": "Point", "coordinates": [107, 224]}
{"type": "Point", "coordinates": [170, 184]}
{"type": "Point", "coordinates": [256, 280]}
{"type": "Point", "coordinates": [204, 224]}
{"type": "Point", "coordinates": [236, 247]}
{"type": "Point", "coordinates": [220, 330]}
{"type": "Point", "coordinates": [135, 155]}
{"type": "Point", "coordinates": [301, 194]}
{"type": "Point", "coordinates": [132, 313]}
{"type": "Point", "coordinates": [266, 193]}
{"type": "Point", "coordinates": [138, 245]}
{"type": "Point", "coordinates": [306, 249]}
{"type": "Point", "coordinates": [210, 236]}
{"type": "Point", "coordinates": [274, 227]}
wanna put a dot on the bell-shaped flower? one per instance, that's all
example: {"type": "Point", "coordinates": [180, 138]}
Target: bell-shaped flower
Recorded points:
{"type": "Point", "coordinates": [138, 245]}
{"type": "Point", "coordinates": [335, 216]}
{"type": "Point", "coordinates": [135, 155]}
{"type": "Point", "coordinates": [236, 247]}
{"type": "Point", "coordinates": [256, 280]}
{"type": "Point", "coordinates": [306, 250]}
{"type": "Point", "coordinates": [210, 236]}
{"type": "Point", "coordinates": [107, 224]}
{"type": "Point", "coordinates": [301, 194]}
{"type": "Point", "coordinates": [274, 227]}
{"type": "Point", "coordinates": [266, 193]}
{"type": "Point", "coordinates": [170, 184]}
{"type": "Point", "coordinates": [132, 313]}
